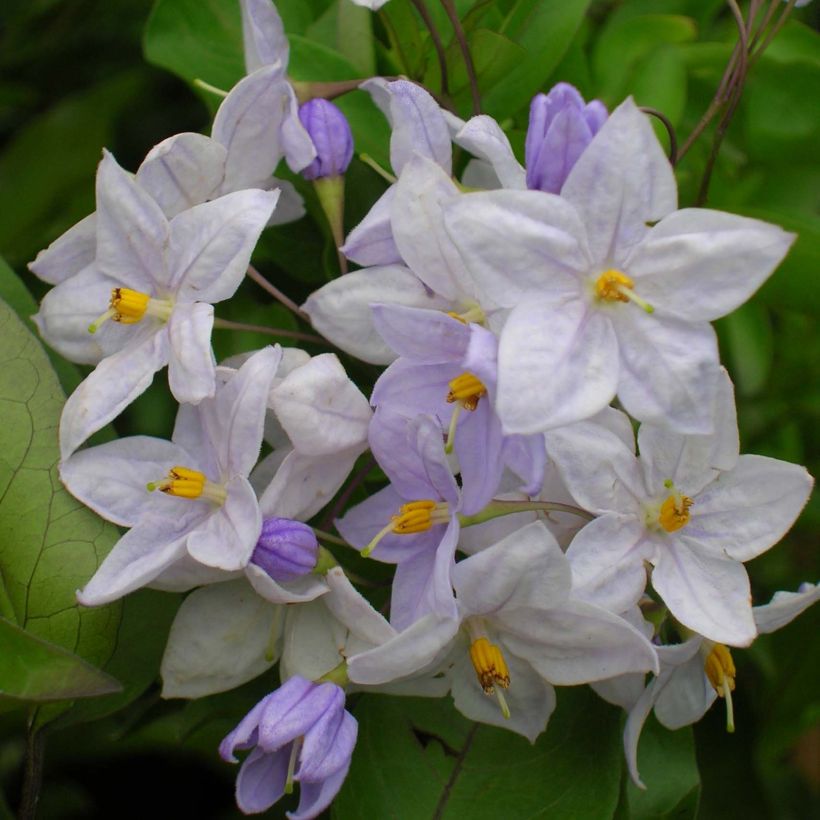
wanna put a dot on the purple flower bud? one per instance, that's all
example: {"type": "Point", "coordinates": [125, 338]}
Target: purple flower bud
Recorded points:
{"type": "Point", "coordinates": [301, 732]}
{"type": "Point", "coordinates": [330, 132]}
{"type": "Point", "coordinates": [286, 549]}
{"type": "Point", "coordinates": [561, 127]}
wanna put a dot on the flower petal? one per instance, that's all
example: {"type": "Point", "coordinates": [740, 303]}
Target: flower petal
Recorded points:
{"type": "Point", "coordinates": [427, 336]}
{"type": "Point", "coordinates": [261, 780]}
{"type": "Point", "coordinates": [483, 137]}
{"type": "Point", "coordinates": [263, 35]}
{"type": "Point", "coordinates": [371, 242]}
{"type": "Point", "coordinates": [67, 254]}
{"type": "Point", "coordinates": [191, 366]}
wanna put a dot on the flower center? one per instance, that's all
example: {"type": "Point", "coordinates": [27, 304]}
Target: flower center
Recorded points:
{"type": "Point", "coordinates": [674, 512]}
{"type": "Point", "coordinates": [465, 389]}
{"type": "Point", "coordinates": [413, 517]}
{"type": "Point", "coordinates": [129, 306]}
{"type": "Point", "coordinates": [491, 670]}
{"type": "Point", "coordinates": [720, 670]}
{"type": "Point", "coordinates": [186, 483]}
{"type": "Point", "coordinates": [472, 314]}
{"type": "Point", "coordinates": [614, 286]}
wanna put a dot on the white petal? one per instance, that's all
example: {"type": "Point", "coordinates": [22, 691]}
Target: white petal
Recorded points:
{"type": "Point", "coordinates": [621, 181]}
{"type": "Point", "coordinates": [749, 509]}
{"type": "Point", "coordinates": [227, 538]}
{"type": "Point", "coordinates": [191, 374]}
{"type": "Point", "coordinates": [686, 696]}
{"type": "Point", "coordinates": [784, 608]}
{"type": "Point", "coordinates": [290, 206]}
{"type": "Point", "coordinates": [182, 171]}
{"type": "Point", "coordinates": [355, 611]}
{"type": "Point", "coordinates": [110, 388]}
{"type": "Point", "coordinates": [263, 35]}
{"type": "Point", "coordinates": [483, 137]}
{"type": "Point", "coordinates": [186, 574]}
{"type": "Point", "coordinates": [314, 641]}
{"type": "Point", "coordinates": [222, 637]}
{"type": "Point", "coordinates": [340, 310]}
{"type": "Point", "coordinates": [298, 591]}
{"type": "Point", "coordinates": [211, 244]}
{"type": "Point", "coordinates": [371, 242]}
{"type": "Point", "coordinates": [132, 231]}
{"type": "Point", "coordinates": [700, 265]}
{"type": "Point", "coordinates": [530, 698]}
{"type": "Point", "coordinates": [517, 244]}
{"type": "Point", "coordinates": [669, 370]}
{"type": "Point", "coordinates": [112, 478]}
{"type": "Point", "coordinates": [710, 595]}
{"type": "Point", "coordinates": [320, 408]}
{"type": "Point", "coordinates": [139, 556]}
{"type": "Point", "coordinates": [421, 192]}
{"type": "Point", "coordinates": [557, 363]}
{"type": "Point", "coordinates": [67, 254]}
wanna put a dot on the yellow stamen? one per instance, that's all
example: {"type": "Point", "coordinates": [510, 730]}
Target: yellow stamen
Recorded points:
{"type": "Point", "coordinates": [467, 390]}
{"type": "Point", "coordinates": [186, 483]}
{"type": "Point", "coordinates": [489, 665]}
{"type": "Point", "coordinates": [674, 512]}
{"type": "Point", "coordinates": [720, 670]}
{"type": "Point", "coordinates": [413, 517]}
{"type": "Point", "coordinates": [129, 306]}
{"type": "Point", "coordinates": [473, 314]}
{"type": "Point", "coordinates": [615, 286]}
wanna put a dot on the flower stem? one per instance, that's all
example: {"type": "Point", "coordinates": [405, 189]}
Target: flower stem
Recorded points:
{"type": "Point", "coordinates": [330, 538]}
{"type": "Point", "coordinates": [277, 294]}
{"type": "Point", "coordinates": [226, 324]}
{"type": "Point", "coordinates": [498, 508]}
{"type": "Point", "coordinates": [469, 65]}
{"type": "Point", "coordinates": [424, 13]}
{"type": "Point", "coordinates": [33, 777]}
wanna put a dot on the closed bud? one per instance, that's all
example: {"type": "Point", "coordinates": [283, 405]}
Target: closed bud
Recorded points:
{"type": "Point", "coordinates": [286, 549]}
{"type": "Point", "coordinates": [561, 126]}
{"type": "Point", "coordinates": [331, 135]}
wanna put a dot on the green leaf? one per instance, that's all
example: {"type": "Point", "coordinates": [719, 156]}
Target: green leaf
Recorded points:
{"type": "Point", "coordinates": [545, 31]}
{"type": "Point", "coordinates": [197, 39]}
{"type": "Point", "coordinates": [50, 545]}
{"type": "Point", "coordinates": [434, 763]}
{"type": "Point", "coordinates": [666, 761]}
{"type": "Point", "coordinates": [37, 671]}
{"type": "Point", "coordinates": [354, 37]}
{"type": "Point", "coordinates": [749, 340]}
{"type": "Point", "coordinates": [660, 82]}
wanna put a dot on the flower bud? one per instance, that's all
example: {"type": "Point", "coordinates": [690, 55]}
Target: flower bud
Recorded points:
{"type": "Point", "coordinates": [286, 549]}
{"type": "Point", "coordinates": [561, 126]}
{"type": "Point", "coordinates": [331, 135]}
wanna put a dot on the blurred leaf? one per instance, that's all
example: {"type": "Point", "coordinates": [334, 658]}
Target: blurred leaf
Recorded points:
{"type": "Point", "coordinates": [625, 41]}
{"type": "Point", "coordinates": [434, 763]}
{"type": "Point", "coordinates": [666, 761]}
{"type": "Point", "coordinates": [545, 30]}
{"type": "Point", "coordinates": [795, 42]}
{"type": "Point", "coordinates": [35, 670]}
{"type": "Point", "coordinates": [47, 170]}
{"type": "Point", "coordinates": [660, 83]}
{"type": "Point", "coordinates": [50, 545]}
{"type": "Point", "coordinates": [197, 39]}
{"type": "Point", "coordinates": [354, 37]}
{"type": "Point", "coordinates": [749, 345]}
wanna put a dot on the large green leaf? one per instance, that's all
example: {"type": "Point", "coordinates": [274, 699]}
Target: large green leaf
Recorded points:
{"type": "Point", "coordinates": [35, 670]}
{"type": "Point", "coordinates": [545, 30]}
{"type": "Point", "coordinates": [50, 545]}
{"type": "Point", "coordinates": [431, 762]}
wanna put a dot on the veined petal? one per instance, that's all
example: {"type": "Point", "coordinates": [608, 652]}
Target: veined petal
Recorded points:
{"type": "Point", "coordinates": [182, 171]}
{"type": "Point", "coordinates": [566, 139]}
{"type": "Point", "coordinates": [557, 363]}
{"type": "Point", "coordinates": [314, 798]}
{"type": "Point", "coordinates": [110, 388]}
{"type": "Point", "coordinates": [686, 696]}
{"type": "Point", "coordinates": [296, 142]}
{"type": "Point", "coordinates": [784, 608]}
{"type": "Point", "coordinates": [298, 591]}
{"type": "Point", "coordinates": [708, 594]}
{"type": "Point", "coordinates": [422, 191]}
{"type": "Point", "coordinates": [479, 447]}
{"type": "Point", "coordinates": [263, 35]}
{"type": "Point", "coordinates": [227, 537]}
{"type": "Point", "coordinates": [354, 611]}
{"type": "Point", "coordinates": [139, 556]}
{"type": "Point", "coordinates": [223, 635]}
{"type": "Point", "coordinates": [290, 206]}
{"type": "Point", "coordinates": [427, 336]}
{"type": "Point", "coordinates": [327, 747]}
{"type": "Point", "coordinates": [261, 780]}
{"type": "Point", "coordinates": [669, 370]}
{"type": "Point", "coordinates": [518, 244]}
{"type": "Point", "coordinates": [67, 254]}
{"type": "Point", "coordinates": [132, 231]}
{"type": "Point", "coordinates": [482, 136]}
{"type": "Point", "coordinates": [417, 121]}
{"type": "Point", "coordinates": [320, 408]}
{"type": "Point", "coordinates": [210, 245]}
{"type": "Point", "coordinates": [749, 509]}
{"type": "Point", "coordinates": [699, 265]}
{"type": "Point", "coordinates": [530, 698]}
{"type": "Point", "coordinates": [112, 477]}
{"type": "Point", "coordinates": [371, 242]}
{"type": "Point", "coordinates": [621, 181]}
{"type": "Point", "coordinates": [191, 366]}
{"type": "Point", "coordinates": [341, 310]}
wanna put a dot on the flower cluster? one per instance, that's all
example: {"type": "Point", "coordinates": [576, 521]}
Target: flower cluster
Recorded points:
{"type": "Point", "coordinates": [528, 531]}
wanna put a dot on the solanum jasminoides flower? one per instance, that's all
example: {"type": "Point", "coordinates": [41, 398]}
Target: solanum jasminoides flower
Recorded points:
{"type": "Point", "coordinates": [301, 734]}
{"type": "Point", "coordinates": [188, 501]}
{"type": "Point", "coordinates": [687, 505]}
{"type": "Point", "coordinates": [146, 299]}
{"type": "Point", "coordinates": [330, 131]}
{"type": "Point", "coordinates": [603, 300]}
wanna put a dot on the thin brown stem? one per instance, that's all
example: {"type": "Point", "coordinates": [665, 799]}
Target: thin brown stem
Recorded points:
{"type": "Point", "coordinates": [227, 324]}
{"type": "Point", "coordinates": [773, 31]}
{"type": "Point", "coordinates": [277, 294]}
{"type": "Point", "coordinates": [469, 65]}
{"type": "Point", "coordinates": [438, 45]}
{"type": "Point", "coordinates": [670, 130]}
{"type": "Point", "coordinates": [774, 5]}
{"type": "Point", "coordinates": [33, 776]}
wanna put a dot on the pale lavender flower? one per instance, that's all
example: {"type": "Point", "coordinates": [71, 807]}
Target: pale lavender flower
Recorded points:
{"type": "Point", "coordinates": [330, 131]}
{"type": "Point", "coordinates": [302, 733]}
{"type": "Point", "coordinates": [286, 549]}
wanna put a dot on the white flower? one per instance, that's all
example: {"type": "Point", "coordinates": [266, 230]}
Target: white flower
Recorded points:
{"type": "Point", "coordinates": [602, 303]}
